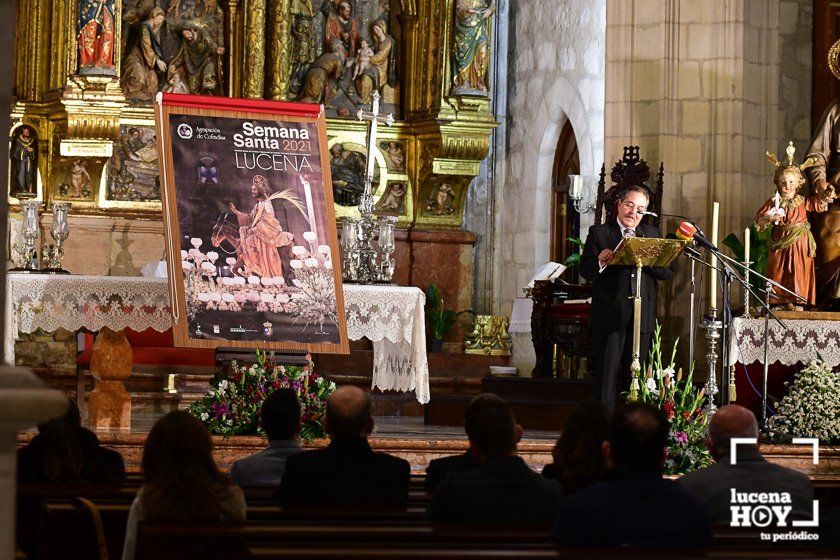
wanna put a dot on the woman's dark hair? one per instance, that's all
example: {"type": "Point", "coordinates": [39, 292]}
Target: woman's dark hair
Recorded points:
{"type": "Point", "coordinates": [578, 459]}
{"type": "Point", "coordinates": [182, 481]}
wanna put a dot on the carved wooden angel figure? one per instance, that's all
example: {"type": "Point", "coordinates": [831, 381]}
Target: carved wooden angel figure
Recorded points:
{"type": "Point", "coordinates": [792, 248]}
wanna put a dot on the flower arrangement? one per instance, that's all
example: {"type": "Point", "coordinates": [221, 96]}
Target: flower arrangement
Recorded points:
{"type": "Point", "coordinates": [233, 404]}
{"type": "Point", "coordinates": [213, 283]}
{"type": "Point", "coordinates": [811, 407]}
{"type": "Point", "coordinates": [682, 403]}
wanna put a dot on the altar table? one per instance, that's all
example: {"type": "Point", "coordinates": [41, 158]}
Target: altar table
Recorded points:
{"type": "Point", "coordinates": [798, 344]}
{"type": "Point", "coordinates": [392, 317]}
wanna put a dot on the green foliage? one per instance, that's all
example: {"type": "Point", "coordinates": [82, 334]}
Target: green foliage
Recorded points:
{"type": "Point", "coordinates": [758, 252]}
{"type": "Point", "coordinates": [682, 403]}
{"type": "Point", "coordinates": [440, 319]}
{"type": "Point", "coordinates": [574, 259]}
{"type": "Point", "coordinates": [233, 404]}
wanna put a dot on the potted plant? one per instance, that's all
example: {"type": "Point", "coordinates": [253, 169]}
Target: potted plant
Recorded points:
{"type": "Point", "coordinates": [440, 319]}
{"type": "Point", "coordinates": [573, 259]}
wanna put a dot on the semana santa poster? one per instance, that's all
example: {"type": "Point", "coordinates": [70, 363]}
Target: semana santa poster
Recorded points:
{"type": "Point", "coordinates": [255, 230]}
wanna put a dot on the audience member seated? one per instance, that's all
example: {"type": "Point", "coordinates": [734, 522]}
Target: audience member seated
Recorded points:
{"type": "Point", "coordinates": [347, 472]}
{"type": "Point", "coordinates": [633, 505]}
{"type": "Point", "coordinates": [438, 469]}
{"type": "Point", "coordinates": [503, 488]}
{"type": "Point", "coordinates": [182, 482]}
{"type": "Point", "coordinates": [578, 458]}
{"type": "Point", "coordinates": [66, 454]}
{"type": "Point", "coordinates": [280, 420]}
{"type": "Point", "coordinates": [750, 473]}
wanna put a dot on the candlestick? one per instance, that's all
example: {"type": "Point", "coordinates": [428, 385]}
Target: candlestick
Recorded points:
{"type": "Point", "coordinates": [170, 386]}
{"type": "Point", "coordinates": [713, 260]}
{"type": "Point", "coordinates": [307, 193]}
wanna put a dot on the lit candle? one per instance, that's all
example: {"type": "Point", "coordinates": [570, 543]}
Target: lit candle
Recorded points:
{"type": "Point", "coordinates": [713, 275]}
{"type": "Point", "coordinates": [307, 192]}
{"type": "Point", "coordinates": [170, 386]}
{"type": "Point", "coordinates": [747, 247]}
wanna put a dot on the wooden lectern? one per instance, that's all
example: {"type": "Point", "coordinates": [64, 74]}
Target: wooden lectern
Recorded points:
{"type": "Point", "coordinates": [639, 252]}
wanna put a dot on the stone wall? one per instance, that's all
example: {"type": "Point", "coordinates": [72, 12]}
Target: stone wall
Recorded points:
{"type": "Point", "coordinates": [707, 88]}
{"type": "Point", "coordinates": [556, 74]}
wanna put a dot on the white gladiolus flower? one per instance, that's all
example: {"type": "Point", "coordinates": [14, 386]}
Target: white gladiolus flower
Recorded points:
{"type": "Point", "coordinates": [651, 384]}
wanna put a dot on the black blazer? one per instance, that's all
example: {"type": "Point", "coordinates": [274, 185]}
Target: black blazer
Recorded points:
{"type": "Point", "coordinates": [502, 490]}
{"type": "Point", "coordinates": [632, 506]}
{"type": "Point", "coordinates": [612, 308]}
{"type": "Point", "coordinates": [346, 472]}
{"type": "Point", "coordinates": [438, 468]}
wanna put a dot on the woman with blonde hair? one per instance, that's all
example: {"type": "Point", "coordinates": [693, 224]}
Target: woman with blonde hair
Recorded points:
{"type": "Point", "coordinates": [182, 481]}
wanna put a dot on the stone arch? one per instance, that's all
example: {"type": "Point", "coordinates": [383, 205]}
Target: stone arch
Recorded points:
{"type": "Point", "coordinates": [562, 103]}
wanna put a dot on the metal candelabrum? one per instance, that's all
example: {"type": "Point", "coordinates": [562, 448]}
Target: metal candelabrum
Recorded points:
{"type": "Point", "coordinates": [30, 228]}
{"type": "Point", "coordinates": [60, 230]}
{"type": "Point", "coordinates": [362, 260]}
{"type": "Point", "coordinates": [713, 327]}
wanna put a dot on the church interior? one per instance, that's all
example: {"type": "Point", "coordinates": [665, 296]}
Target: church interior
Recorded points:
{"type": "Point", "coordinates": [486, 141]}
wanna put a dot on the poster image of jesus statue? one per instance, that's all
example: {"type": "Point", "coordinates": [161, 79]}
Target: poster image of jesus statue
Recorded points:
{"type": "Point", "coordinates": [252, 251]}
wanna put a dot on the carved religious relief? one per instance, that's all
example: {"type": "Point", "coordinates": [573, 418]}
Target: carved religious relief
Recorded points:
{"type": "Point", "coordinates": [355, 54]}
{"type": "Point", "coordinates": [76, 179]}
{"type": "Point", "coordinates": [347, 168]}
{"type": "Point", "coordinates": [96, 36]}
{"type": "Point", "coordinates": [176, 47]}
{"type": "Point", "coordinates": [133, 169]}
{"type": "Point", "coordinates": [441, 201]}
{"type": "Point", "coordinates": [471, 47]}
{"type": "Point", "coordinates": [24, 163]}
{"type": "Point", "coordinates": [392, 201]}
{"type": "Point", "coordinates": [395, 154]}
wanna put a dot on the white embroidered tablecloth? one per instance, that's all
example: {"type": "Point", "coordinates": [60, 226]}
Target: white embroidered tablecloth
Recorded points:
{"type": "Point", "coordinates": [799, 343]}
{"type": "Point", "coordinates": [392, 317]}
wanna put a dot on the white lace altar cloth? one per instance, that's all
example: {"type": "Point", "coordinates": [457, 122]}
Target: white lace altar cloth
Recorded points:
{"type": "Point", "coordinates": [798, 344]}
{"type": "Point", "coordinates": [392, 317]}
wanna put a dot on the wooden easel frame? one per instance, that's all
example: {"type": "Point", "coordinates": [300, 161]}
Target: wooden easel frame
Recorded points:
{"type": "Point", "coordinates": [194, 105]}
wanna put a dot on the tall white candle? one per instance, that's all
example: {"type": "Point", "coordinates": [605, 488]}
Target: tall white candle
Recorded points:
{"type": "Point", "coordinates": [713, 275]}
{"type": "Point", "coordinates": [747, 246]}
{"type": "Point", "coordinates": [307, 193]}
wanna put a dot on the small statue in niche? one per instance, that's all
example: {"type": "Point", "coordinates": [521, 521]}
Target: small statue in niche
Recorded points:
{"type": "Point", "coordinates": [382, 68]}
{"type": "Point", "coordinates": [393, 199]}
{"type": "Point", "coordinates": [143, 67]}
{"type": "Point", "coordinates": [24, 160]}
{"type": "Point", "coordinates": [442, 200]}
{"type": "Point", "coordinates": [342, 31]}
{"type": "Point", "coordinates": [470, 56]}
{"type": "Point", "coordinates": [95, 37]}
{"type": "Point", "coordinates": [792, 248]}
{"type": "Point", "coordinates": [80, 179]}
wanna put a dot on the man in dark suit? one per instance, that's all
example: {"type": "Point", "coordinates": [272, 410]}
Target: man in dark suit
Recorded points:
{"type": "Point", "coordinates": [611, 315]}
{"type": "Point", "coordinates": [347, 472]}
{"type": "Point", "coordinates": [280, 420]}
{"type": "Point", "coordinates": [633, 505]}
{"type": "Point", "coordinates": [438, 469]}
{"type": "Point", "coordinates": [749, 473]}
{"type": "Point", "coordinates": [503, 489]}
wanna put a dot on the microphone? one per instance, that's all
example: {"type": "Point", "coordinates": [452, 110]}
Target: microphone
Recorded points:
{"type": "Point", "coordinates": [689, 231]}
{"type": "Point", "coordinates": [647, 213]}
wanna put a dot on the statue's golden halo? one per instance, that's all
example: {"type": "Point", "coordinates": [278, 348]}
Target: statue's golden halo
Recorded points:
{"type": "Point", "coordinates": [833, 60]}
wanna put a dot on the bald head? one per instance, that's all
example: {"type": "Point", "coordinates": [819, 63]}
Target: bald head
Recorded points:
{"type": "Point", "coordinates": [348, 413]}
{"type": "Point", "coordinates": [730, 421]}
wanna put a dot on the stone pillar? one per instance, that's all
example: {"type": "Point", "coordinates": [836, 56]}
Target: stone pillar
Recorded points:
{"type": "Point", "coordinates": [109, 404]}
{"type": "Point", "coordinates": [24, 401]}
{"type": "Point", "coordinates": [696, 85]}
